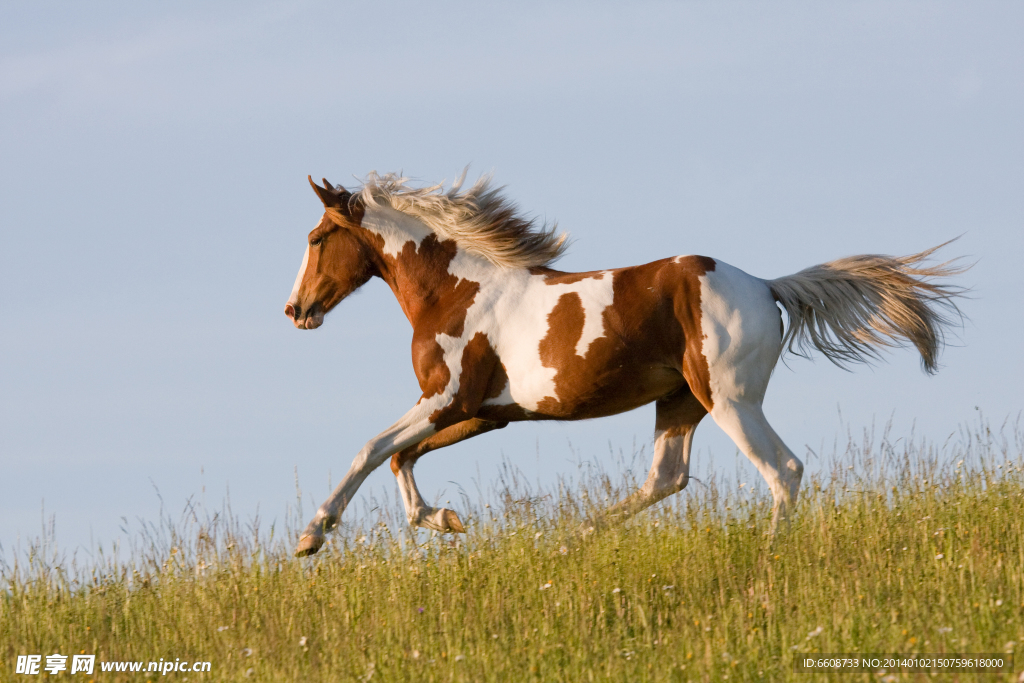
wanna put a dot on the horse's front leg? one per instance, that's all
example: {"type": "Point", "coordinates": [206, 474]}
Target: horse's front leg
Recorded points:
{"type": "Point", "coordinates": [414, 426]}
{"type": "Point", "coordinates": [416, 510]}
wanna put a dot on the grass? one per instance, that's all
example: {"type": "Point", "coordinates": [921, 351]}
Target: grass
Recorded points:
{"type": "Point", "coordinates": [897, 547]}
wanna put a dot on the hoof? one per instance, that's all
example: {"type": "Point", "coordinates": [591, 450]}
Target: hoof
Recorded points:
{"type": "Point", "coordinates": [308, 545]}
{"type": "Point", "coordinates": [453, 522]}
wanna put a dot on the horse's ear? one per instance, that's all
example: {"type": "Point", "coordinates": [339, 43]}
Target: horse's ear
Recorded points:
{"type": "Point", "coordinates": [334, 188]}
{"type": "Point", "coordinates": [332, 197]}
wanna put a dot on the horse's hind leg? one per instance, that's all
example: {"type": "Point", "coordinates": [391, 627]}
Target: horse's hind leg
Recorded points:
{"type": "Point", "coordinates": [416, 510]}
{"type": "Point", "coordinates": [746, 424]}
{"type": "Point", "coordinates": [742, 330]}
{"type": "Point", "coordinates": [677, 417]}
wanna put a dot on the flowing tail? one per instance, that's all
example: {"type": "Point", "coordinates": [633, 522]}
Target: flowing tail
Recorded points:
{"type": "Point", "coordinates": [849, 308]}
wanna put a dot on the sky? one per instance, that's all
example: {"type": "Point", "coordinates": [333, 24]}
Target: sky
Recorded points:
{"type": "Point", "coordinates": [154, 208]}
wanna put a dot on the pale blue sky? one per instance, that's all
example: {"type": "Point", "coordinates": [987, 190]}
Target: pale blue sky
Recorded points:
{"type": "Point", "coordinates": [153, 210]}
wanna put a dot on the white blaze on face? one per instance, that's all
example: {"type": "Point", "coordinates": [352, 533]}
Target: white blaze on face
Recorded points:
{"type": "Point", "coordinates": [293, 299]}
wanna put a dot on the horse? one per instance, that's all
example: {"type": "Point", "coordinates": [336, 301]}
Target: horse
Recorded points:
{"type": "Point", "coordinates": [500, 336]}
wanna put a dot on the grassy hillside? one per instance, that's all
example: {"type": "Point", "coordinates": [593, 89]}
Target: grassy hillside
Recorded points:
{"type": "Point", "coordinates": [899, 547]}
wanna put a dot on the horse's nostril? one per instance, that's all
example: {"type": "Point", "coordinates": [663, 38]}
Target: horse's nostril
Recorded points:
{"type": "Point", "coordinates": [290, 311]}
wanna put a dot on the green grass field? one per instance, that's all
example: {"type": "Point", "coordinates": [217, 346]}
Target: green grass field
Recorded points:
{"type": "Point", "coordinates": [901, 546]}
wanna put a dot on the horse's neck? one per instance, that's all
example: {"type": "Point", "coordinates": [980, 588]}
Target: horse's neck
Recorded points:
{"type": "Point", "coordinates": [425, 273]}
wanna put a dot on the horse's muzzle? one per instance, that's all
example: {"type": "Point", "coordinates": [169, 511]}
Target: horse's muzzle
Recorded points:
{"type": "Point", "coordinates": [304, 320]}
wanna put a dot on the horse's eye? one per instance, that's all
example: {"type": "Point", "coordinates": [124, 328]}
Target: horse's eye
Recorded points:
{"type": "Point", "coordinates": [316, 242]}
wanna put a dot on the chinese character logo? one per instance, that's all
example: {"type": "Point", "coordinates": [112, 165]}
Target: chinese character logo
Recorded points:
{"type": "Point", "coordinates": [82, 663]}
{"type": "Point", "coordinates": [28, 664]}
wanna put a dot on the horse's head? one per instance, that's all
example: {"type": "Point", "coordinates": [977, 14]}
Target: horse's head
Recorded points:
{"type": "Point", "coordinates": [336, 263]}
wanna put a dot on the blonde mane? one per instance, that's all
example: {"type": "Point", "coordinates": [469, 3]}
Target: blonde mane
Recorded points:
{"type": "Point", "coordinates": [480, 220]}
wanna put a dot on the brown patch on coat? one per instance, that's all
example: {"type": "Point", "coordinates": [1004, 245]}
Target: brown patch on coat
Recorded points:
{"type": "Point", "coordinates": [695, 365]}
{"type": "Point", "coordinates": [565, 328]}
{"type": "Point", "coordinates": [434, 301]}
{"type": "Point", "coordinates": [478, 363]}
{"type": "Point", "coordinates": [499, 380]}
{"type": "Point", "coordinates": [651, 347]}
{"type": "Point", "coordinates": [558, 277]}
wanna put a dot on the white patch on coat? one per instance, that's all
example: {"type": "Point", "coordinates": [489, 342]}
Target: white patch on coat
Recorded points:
{"type": "Point", "coordinates": [519, 321]}
{"type": "Point", "coordinates": [395, 227]}
{"type": "Point", "coordinates": [742, 333]}
{"type": "Point", "coordinates": [596, 297]}
{"type": "Point", "coordinates": [512, 308]}
{"type": "Point", "coordinates": [293, 297]}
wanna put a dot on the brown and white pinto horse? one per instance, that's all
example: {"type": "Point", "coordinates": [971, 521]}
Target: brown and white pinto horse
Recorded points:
{"type": "Point", "coordinates": [499, 336]}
